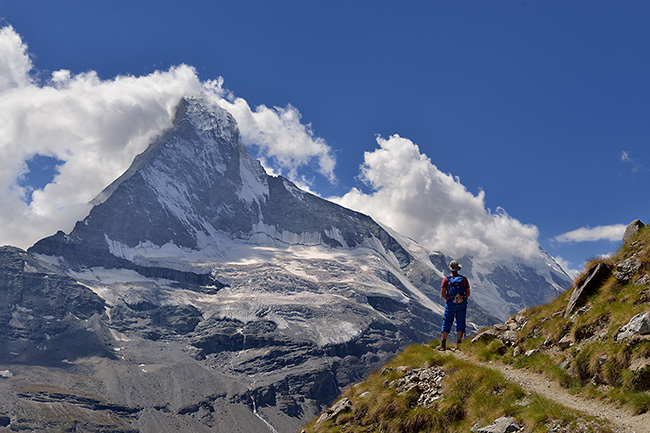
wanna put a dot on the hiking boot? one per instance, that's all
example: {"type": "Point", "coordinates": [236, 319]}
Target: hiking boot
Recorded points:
{"type": "Point", "coordinates": [443, 346]}
{"type": "Point", "coordinates": [458, 344]}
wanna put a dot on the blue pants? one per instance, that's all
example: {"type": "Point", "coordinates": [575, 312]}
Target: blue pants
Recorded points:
{"type": "Point", "coordinates": [459, 311]}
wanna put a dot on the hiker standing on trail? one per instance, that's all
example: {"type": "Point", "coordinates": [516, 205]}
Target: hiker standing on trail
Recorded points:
{"type": "Point", "coordinates": [455, 290]}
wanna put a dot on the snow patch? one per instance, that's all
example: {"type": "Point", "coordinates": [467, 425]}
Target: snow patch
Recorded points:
{"type": "Point", "coordinates": [254, 187]}
{"type": "Point", "coordinates": [293, 190]}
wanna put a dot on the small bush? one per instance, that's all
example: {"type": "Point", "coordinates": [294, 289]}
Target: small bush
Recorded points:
{"type": "Point", "coordinates": [612, 372]}
{"type": "Point", "coordinates": [497, 347]}
{"type": "Point", "coordinates": [387, 409]}
{"type": "Point", "coordinates": [419, 420]}
{"type": "Point", "coordinates": [639, 380]}
{"type": "Point", "coordinates": [453, 412]}
{"type": "Point", "coordinates": [640, 402]}
{"type": "Point", "coordinates": [581, 366]}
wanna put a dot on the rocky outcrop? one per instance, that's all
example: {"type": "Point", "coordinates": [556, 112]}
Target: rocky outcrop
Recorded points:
{"type": "Point", "coordinates": [627, 269]}
{"type": "Point", "coordinates": [594, 279]}
{"type": "Point", "coordinates": [343, 405]}
{"type": "Point", "coordinates": [631, 231]}
{"type": "Point", "coordinates": [506, 333]}
{"type": "Point", "coordinates": [45, 317]}
{"type": "Point", "coordinates": [638, 325]}
{"type": "Point", "coordinates": [426, 382]}
{"type": "Point", "coordinates": [486, 336]}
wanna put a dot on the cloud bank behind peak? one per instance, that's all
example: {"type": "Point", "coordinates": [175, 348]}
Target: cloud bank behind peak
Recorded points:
{"type": "Point", "coordinates": [410, 194]}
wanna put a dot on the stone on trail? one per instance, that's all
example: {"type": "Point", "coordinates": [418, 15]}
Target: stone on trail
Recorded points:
{"type": "Point", "coordinates": [501, 425]}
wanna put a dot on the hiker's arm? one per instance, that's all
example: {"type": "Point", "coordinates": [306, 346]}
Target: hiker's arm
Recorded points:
{"type": "Point", "coordinates": [444, 289]}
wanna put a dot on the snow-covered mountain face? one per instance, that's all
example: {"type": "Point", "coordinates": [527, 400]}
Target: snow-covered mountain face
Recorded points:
{"type": "Point", "coordinates": [219, 298]}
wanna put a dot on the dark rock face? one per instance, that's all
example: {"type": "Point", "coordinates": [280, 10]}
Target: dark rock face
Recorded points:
{"type": "Point", "coordinates": [44, 317]}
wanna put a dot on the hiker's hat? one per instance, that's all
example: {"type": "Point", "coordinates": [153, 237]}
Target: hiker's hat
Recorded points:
{"type": "Point", "coordinates": [454, 265]}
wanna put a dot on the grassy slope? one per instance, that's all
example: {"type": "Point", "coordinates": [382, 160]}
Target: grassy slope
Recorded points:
{"type": "Point", "coordinates": [471, 394]}
{"type": "Point", "coordinates": [595, 365]}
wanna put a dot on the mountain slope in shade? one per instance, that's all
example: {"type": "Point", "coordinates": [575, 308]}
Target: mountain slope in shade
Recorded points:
{"type": "Point", "coordinates": [223, 299]}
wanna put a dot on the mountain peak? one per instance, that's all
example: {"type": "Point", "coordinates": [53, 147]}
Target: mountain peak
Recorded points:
{"type": "Point", "coordinates": [196, 187]}
{"type": "Point", "coordinates": [205, 116]}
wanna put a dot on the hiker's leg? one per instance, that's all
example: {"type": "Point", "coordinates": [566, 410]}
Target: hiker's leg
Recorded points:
{"type": "Point", "coordinates": [461, 315]}
{"type": "Point", "coordinates": [447, 320]}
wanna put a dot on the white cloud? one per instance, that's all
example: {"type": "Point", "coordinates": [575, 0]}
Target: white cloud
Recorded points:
{"type": "Point", "coordinates": [631, 162]}
{"type": "Point", "coordinates": [15, 64]}
{"type": "Point", "coordinates": [625, 156]}
{"type": "Point", "coordinates": [278, 133]}
{"type": "Point", "coordinates": [414, 197]}
{"type": "Point", "coordinates": [566, 265]}
{"type": "Point", "coordinates": [611, 233]}
{"type": "Point", "coordinates": [97, 127]}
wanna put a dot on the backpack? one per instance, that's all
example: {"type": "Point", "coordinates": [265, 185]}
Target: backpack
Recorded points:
{"type": "Point", "coordinates": [456, 289]}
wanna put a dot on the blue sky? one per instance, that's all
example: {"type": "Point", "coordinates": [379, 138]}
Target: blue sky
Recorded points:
{"type": "Point", "coordinates": [538, 108]}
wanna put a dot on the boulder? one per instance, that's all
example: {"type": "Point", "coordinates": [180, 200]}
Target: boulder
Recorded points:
{"type": "Point", "coordinates": [343, 405]}
{"type": "Point", "coordinates": [595, 278]}
{"type": "Point", "coordinates": [501, 425]}
{"type": "Point", "coordinates": [627, 269]}
{"type": "Point", "coordinates": [566, 342]}
{"type": "Point", "coordinates": [638, 325]}
{"type": "Point", "coordinates": [639, 364]}
{"type": "Point", "coordinates": [643, 280]}
{"type": "Point", "coordinates": [631, 231]}
{"type": "Point", "coordinates": [486, 336]}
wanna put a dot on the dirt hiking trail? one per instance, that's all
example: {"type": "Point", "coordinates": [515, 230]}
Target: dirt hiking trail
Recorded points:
{"type": "Point", "coordinates": [623, 421]}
